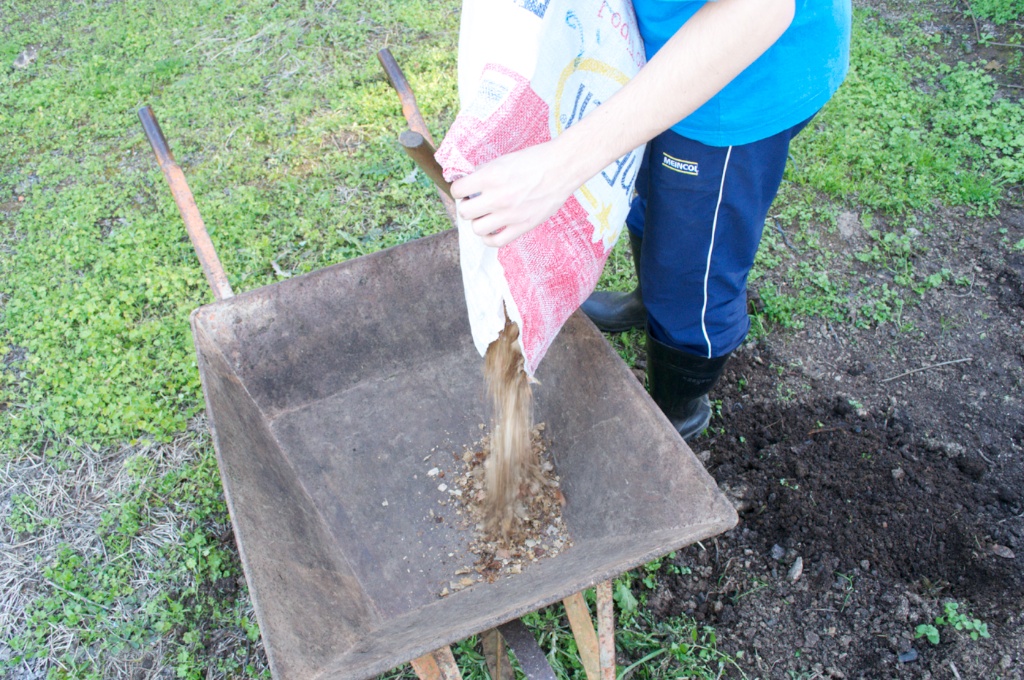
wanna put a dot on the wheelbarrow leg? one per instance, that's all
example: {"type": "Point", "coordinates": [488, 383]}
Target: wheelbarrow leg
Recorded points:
{"type": "Point", "coordinates": [582, 627]}
{"type": "Point", "coordinates": [438, 665]}
{"type": "Point", "coordinates": [597, 650]}
{"type": "Point", "coordinates": [606, 629]}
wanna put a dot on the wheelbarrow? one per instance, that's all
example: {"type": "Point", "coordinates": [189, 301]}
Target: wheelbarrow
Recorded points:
{"type": "Point", "coordinates": [330, 395]}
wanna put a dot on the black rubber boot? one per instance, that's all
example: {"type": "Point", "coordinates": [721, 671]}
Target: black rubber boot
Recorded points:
{"type": "Point", "coordinates": [679, 383]}
{"type": "Point", "coordinates": [616, 312]}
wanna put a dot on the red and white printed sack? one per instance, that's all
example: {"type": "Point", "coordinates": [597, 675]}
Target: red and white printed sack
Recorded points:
{"type": "Point", "coordinates": [529, 69]}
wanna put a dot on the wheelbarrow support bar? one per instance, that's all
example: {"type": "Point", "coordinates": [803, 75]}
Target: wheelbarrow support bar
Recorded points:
{"type": "Point", "coordinates": [531, 658]}
{"type": "Point", "coordinates": [197, 233]}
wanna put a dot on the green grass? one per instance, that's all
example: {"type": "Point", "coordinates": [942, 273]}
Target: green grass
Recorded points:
{"type": "Point", "coordinates": [905, 135]}
{"type": "Point", "coordinates": [112, 588]}
{"type": "Point", "coordinates": [907, 132]}
{"type": "Point", "coordinates": [286, 130]}
{"type": "Point", "coordinates": [998, 11]}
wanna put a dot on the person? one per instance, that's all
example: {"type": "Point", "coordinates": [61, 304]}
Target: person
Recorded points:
{"type": "Point", "coordinates": [727, 85]}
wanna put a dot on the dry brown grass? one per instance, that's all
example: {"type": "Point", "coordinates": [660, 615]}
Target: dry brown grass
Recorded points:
{"type": "Point", "coordinates": [61, 495]}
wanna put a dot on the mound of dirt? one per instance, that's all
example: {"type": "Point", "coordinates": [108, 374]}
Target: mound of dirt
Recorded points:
{"type": "Point", "coordinates": [879, 476]}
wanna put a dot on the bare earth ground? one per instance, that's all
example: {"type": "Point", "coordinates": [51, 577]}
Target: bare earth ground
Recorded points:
{"type": "Point", "coordinates": [889, 462]}
{"type": "Point", "coordinates": [896, 492]}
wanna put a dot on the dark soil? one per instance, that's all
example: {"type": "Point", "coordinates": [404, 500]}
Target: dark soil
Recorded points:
{"type": "Point", "coordinates": [889, 462]}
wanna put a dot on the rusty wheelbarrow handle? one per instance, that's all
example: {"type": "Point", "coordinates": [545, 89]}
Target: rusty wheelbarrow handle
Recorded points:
{"type": "Point", "coordinates": [409, 108]}
{"type": "Point", "coordinates": [197, 233]}
{"type": "Point", "coordinates": [421, 150]}
{"type": "Point", "coordinates": [422, 153]}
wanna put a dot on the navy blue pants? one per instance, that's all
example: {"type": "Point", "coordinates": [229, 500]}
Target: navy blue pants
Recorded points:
{"type": "Point", "coordinates": [700, 211]}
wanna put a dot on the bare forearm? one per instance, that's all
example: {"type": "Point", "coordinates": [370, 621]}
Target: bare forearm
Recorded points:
{"type": "Point", "coordinates": [517, 192]}
{"type": "Point", "coordinates": [711, 49]}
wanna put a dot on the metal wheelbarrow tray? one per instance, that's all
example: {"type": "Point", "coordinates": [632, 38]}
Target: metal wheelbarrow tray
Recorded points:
{"type": "Point", "coordinates": [326, 393]}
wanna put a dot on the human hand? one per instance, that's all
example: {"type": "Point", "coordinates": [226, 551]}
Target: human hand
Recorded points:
{"type": "Point", "coordinates": [511, 195]}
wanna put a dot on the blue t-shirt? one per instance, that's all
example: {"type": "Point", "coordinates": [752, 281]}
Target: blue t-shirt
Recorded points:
{"type": "Point", "coordinates": [786, 85]}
